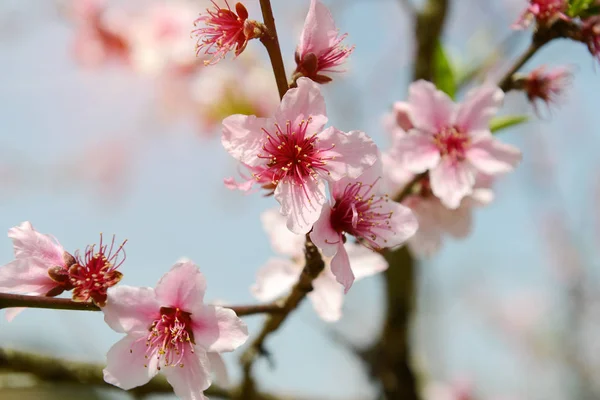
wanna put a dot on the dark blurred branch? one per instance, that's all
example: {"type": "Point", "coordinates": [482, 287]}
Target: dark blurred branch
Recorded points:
{"type": "Point", "coordinates": [428, 30]}
{"type": "Point", "coordinates": [19, 300]}
{"type": "Point", "coordinates": [271, 43]}
{"type": "Point", "coordinates": [313, 267]}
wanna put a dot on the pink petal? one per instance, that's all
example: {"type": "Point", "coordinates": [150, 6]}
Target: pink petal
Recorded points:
{"type": "Point", "coordinates": [365, 262]}
{"type": "Point", "coordinates": [182, 287]}
{"type": "Point", "coordinates": [416, 152]}
{"type": "Point", "coordinates": [340, 267]}
{"type": "Point", "coordinates": [352, 152]}
{"type": "Point", "coordinates": [28, 275]}
{"type": "Point", "coordinates": [275, 278]}
{"type": "Point", "coordinates": [131, 309]}
{"type": "Point", "coordinates": [457, 222]}
{"type": "Point", "coordinates": [126, 363]}
{"type": "Point", "coordinates": [401, 114]}
{"type": "Point", "coordinates": [451, 182]}
{"type": "Point", "coordinates": [301, 204]}
{"type": "Point", "coordinates": [300, 104]}
{"type": "Point", "coordinates": [428, 238]}
{"type": "Point", "coordinates": [491, 156]}
{"type": "Point", "coordinates": [480, 106]}
{"type": "Point", "coordinates": [283, 241]}
{"type": "Point", "coordinates": [395, 176]}
{"type": "Point", "coordinates": [402, 225]}
{"type": "Point", "coordinates": [190, 382]}
{"type": "Point", "coordinates": [245, 186]}
{"type": "Point", "coordinates": [11, 313]}
{"type": "Point", "coordinates": [323, 235]}
{"type": "Point", "coordinates": [430, 109]}
{"type": "Point", "coordinates": [218, 329]}
{"type": "Point", "coordinates": [327, 297]}
{"type": "Point", "coordinates": [28, 242]}
{"type": "Point", "coordinates": [319, 30]}
{"type": "Point", "coordinates": [243, 137]}
{"type": "Point", "coordinates": [218, 367]}
{"type": "Point", "coordinates": [481, 197]}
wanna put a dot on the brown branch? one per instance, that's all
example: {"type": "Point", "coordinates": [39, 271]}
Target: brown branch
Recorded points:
{"type": "Point", "coordinates": [271, 43]}
{"type": "Point", "coordinates": [313, 267]}
{"type": "Point", "coordinates": [18, 300]}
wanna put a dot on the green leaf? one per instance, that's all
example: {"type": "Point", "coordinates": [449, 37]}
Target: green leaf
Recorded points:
{"type": "Point", "coordinates": [582, 8]}
{"type": "Point", "coordinates": [506, 121]}
{"type": "Point", "coordinates": [443, 77]}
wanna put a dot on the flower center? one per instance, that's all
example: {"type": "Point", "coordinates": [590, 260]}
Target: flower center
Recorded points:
{"type": "Point", "coordinates": [358, 213]}
{"type": "Point", "coordinates": [451, 142]}
{"type": "Point", "coordinates": [292, 154]}
{"type": "Point", "coordinates": [171, 335]}
{"type": "Point", "coordinates": [92, 274]}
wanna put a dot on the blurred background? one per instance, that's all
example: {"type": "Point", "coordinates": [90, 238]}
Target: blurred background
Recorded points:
{"type": "Point", "coordinates": [123, 137]}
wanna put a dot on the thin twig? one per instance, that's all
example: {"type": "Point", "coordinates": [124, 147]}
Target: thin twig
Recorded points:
{"type": "Point", "coordinates": [313, 267]}
{"type": "Point", "coordinates": [271, 43]}
{"type": "Point", "coordinates": [506, 83]}
{"type": "Point", "coordinates": [19, 300]}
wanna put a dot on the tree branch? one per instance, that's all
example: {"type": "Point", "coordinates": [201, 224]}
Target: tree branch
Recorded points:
{"type": "Point", "coordinates": [313, 267]}
{"type": "Point", "coordinates": [271, 43]}
{"type": "Point", "coordinates": [19, 300]}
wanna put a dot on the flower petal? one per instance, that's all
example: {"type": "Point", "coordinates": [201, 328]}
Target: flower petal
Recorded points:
{"type": "Point", "coordinates": [327, 297]}
{"type": "Point", "coordinates": [11, 313]}
{"type": "Point", "coordinates": [479, 107]}
{"type": "Point", "coordinates": [340, 267]}
{"type": "Point", "coordinates": [275, 278]}
{"type": "Point", "coordinates": [451, 182]}
{"type": "Point", "coordinates": [190, 381]}
{"type": "Point", "coordinates": [401, 114]}
{"type": "Point", "coordinates": [416, 152]}
{"type": "Point", "coordinates": [301, 204]}
{"type": "Point", "coordinates": [243, 137]}
{"type": "Point", "coordinates": [28, 275]}
{"type": "Point", "coordinates": [365, 262]}
{"type": "Point", "coordinates": [430, 109]}
{"type": "Point", "coordinates": [319, 30]}
{"type": "Point", "coordinates": [323, 235]}
{"type": "Point", "coordinates": [304, 103]}
{"type": "Point", "coordinates": [126, 363]}
{"type": "Point", "coordinates": [131, 309]}
{"type": "Point", "coordinates": [350, 153]}
{"type": "Point", "coordinates": [28, 242]}
{"type": "Point", "coordinates": [491, 156]}
{"type": "Point", "coordinates": [283, 241]}
{"type": "Point", "coordinates": [218, 329]}
{"type": "Point", "coordinates": [182, 287]}
{"type": "Point", "coordinates": [402, 225]}
{"type": "Point", "coordinates": [218, 367]}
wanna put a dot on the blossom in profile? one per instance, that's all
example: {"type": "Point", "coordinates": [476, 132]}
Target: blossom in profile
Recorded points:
{"type": "Point", "coordinates": [545, 87]}
{"type": "Point", "coordinates": [295, 153]}
{"type": "Point", "coordinates": [320, 50]}
{"type": "Point", "coordinates": [359, 208]}
{"type": "Point", "coordinates": [223, 30]}
{"type": "Point", "coordinates": [544, 12]}
{"type": "Point", "coordinates": [40, 267]}
{"type": "Point", "coordinates": [279, 275]}
{"type": "Point", "coordinates": [452, 141]}
{"type": "Point", "coordinates": [169, 330]}
{"type": "Point", "coordinates": [95, 271]}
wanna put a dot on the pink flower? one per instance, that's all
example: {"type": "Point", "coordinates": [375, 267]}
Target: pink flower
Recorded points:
{"type": "Point", "coordinates": [101, 33]}
{"type": "Point", "coordinates": [545, 12]}
{"type": "Point", "coordinates": [279, 275]}
{"type": "Point", "coordinates": [359, 209]}
{"type": "Point", "coordinates": [170, 330]}
{"type": "Point", "coordinates": [436, 220]}
{"type": "Point", "coordinates": [461, 389]}
{"type": "Point", "coordinates": [294, 152]}
{"type": "Point", "coordinates": [320, 49]}
{"type": "Point", "coordinates": [224, 31]}
{"type": "Point", "coordinates": [92, 274]}
{"type": "Point", "coordinates": [453, 142]}
{"type": "Point", "coordinates": [40, 266]}
{"type": "Point", "coordinates": [546, 87]}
